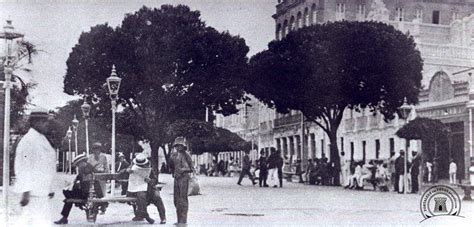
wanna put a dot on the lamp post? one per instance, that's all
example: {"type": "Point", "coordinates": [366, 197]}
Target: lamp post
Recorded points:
{"type": "Point", "coordinates": [75, 124]}
{"type": "Point", "coordinates": [69, 135]}
{"type": "Point", "coordinates": [113, 84]}
{"type": "Point", "coordinates": [405, 110]}
{"type": "Point", "coordinates": [10, 37]}
{"type": "Point", "coordinates": [86, 109]}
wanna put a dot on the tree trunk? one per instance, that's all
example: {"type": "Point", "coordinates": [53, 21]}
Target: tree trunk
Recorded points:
{"type": "Point", "coordinates": [154, 155]}
{"type": "Point", "coordinates": [334, 156]}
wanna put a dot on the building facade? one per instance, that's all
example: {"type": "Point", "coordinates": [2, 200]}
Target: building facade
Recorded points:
{"type": "Point", "coordinates": [444, 33]}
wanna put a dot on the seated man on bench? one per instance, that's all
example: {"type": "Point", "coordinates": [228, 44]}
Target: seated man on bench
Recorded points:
{"type": "Point", "coordinates": [80, 187]}
{"type": "Point", "coordinates": [142, 183]}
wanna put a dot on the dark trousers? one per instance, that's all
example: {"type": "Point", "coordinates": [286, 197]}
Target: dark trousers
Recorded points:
{"type": "Point", "coordinates": [155, 199]}
{"type": "Point", "coordinates": [243, 173]}
{"type": "Point", "coordinates": [74, 194]}
{"type": "Point", "coordinates": [124, 187]}
{"type": "Point", "coordinates": [280, 176]}
{"type": "Point", "coordinates": [180, 197]}
{"type": "Point", "coordinates": [262, 177]}
{"type": "Point", "coordinates": [414, 182]}
{"type": "Point", "coordinates": [140, 208]}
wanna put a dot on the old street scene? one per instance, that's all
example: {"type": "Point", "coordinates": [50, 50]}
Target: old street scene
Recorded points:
{"type": "Point", "coordinates": [237, 113]}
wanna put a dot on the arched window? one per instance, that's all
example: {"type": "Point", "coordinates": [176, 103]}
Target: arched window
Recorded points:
{"type": "Point", "coordinates": [314, 15]}
{"type": "Point", "coordinates": [306, 17]}
{"type": "Point", "coordinates": [285, 29]}
{"type": "Point", "coordinates": [441, 88]}
{"type": "Point", "coordinates": [278, 33]}
{"type": "Point", "coordinates": [299, 23]}
{"type": "Point", "coordinates": [292, 23]}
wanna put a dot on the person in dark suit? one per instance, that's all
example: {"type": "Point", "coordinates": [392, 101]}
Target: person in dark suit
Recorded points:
{"type": "Point", "coordinates": [415, 171]}
{"type": "Point", "coordinates": [246, 165]}
{"type": "Point", "coordinates": [263, 166]}
{"type": "Point", "coordinates": [280, 163]}
{"type": "Point", "coordinates": [80, 187]}
{"type": "Point", "coordinates": [121, 168]}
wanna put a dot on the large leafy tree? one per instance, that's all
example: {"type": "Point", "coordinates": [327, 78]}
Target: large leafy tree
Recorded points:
{"type": "Point", "coordinates": [173, 66]}
{"type": "Point", "coordinates": [323, 70]}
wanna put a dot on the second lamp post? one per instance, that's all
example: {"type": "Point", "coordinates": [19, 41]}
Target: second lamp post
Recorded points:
{"type": "Point", "coordinates": [86, 109]}
{"type": "Point", "coordinates": [113, 85]}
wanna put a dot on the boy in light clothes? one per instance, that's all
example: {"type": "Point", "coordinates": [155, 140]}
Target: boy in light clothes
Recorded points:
{"type": "Point", "coordinates": [453, 168]}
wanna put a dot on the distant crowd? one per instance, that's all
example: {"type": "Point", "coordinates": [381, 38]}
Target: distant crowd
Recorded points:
{"type": "Point", "coordinates": [384, 175]}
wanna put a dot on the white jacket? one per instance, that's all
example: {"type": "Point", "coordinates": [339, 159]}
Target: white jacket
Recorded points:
{"type": "Point", "coordinates": [35, 164]}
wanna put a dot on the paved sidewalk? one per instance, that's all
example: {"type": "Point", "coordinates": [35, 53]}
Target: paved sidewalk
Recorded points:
{"type": "Point", "coordinates": [224, 203]}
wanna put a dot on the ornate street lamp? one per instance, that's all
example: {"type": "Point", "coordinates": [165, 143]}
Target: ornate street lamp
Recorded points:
{"type": "Point", "coordinates": [113, 84]}
{"type": "Point", "coordinates": [86, 109]}
{"type": "Point", "coordinates": [75, 124]}
{"type": "Point", "coordinates": [10, 37]}
{"type": "Point", "coordinates": [405, 110]}
{"type": "Point", "coordinates": [69, 135]}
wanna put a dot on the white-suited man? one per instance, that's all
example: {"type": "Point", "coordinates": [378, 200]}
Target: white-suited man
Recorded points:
{"type": "Point", "coordinates": [35, 169]}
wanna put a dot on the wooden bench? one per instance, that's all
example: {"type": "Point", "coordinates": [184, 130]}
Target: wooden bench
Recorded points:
{"type": "Point", "coordinates": [92, 204]}
{"type": "Point", "coordinates": [288, 175]}
{"type": "Point", "coordinates": [467, 190]}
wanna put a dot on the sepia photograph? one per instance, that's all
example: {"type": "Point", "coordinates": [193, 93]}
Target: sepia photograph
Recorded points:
{"type": "Point", "coordinates": [236, 113]}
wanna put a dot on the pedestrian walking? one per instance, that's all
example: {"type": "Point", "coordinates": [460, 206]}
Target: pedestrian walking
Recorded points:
{"type": "Point", "coordinates": [79, 188]}
{"type": "Point", "coordinates": [246, 165]}
{"type": "Point", "coordinates": [400, 170]}
{"type": "Point", "coordinates": [429, 171]}
{"type": "Point", "coordinates": [35, 169]}
{"type": "Point", "coordinates": [345, 172]}
{"type": "Point", "coordinates": [453, 169]}
{"type": "Point", "coordinates": [181, 167]}
{"type": "Point", "coordinates": [392, 171]}
{"type": "Point", "coordinates": [280, 164]}
{"type": "Point", "coordinates": [299, 170]}
{"type": "Point", "coordinates": [415, 171]}
{"type": "Point", "coordinates": [272, 165]}
{"type": "Point", "coordinates": [263, 170]}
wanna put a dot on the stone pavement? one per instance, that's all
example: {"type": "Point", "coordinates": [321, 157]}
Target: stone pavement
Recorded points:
{"type": "Point", "coordinates": [224, 203]}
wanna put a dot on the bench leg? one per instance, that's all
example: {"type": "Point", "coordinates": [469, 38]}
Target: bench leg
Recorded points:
{"type": "Point", "coordinates": [467, 195]}
{"type": "Point", "coordinates": [91, 212]}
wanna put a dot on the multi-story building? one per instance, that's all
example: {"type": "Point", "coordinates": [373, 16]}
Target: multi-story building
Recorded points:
{"type": "Point", "coordinates": [444, 34]}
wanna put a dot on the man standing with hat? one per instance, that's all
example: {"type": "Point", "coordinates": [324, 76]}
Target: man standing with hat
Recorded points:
{"type": "Point", "coordinates": [35, 168]}
{"type": "Point", "coordinates": [98, 160]}
{"type": "Point", "coordinates": [181, 166]}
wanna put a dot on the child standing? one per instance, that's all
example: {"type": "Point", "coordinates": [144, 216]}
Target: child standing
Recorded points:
{"type": "Point", "coordinates": [452, 172]}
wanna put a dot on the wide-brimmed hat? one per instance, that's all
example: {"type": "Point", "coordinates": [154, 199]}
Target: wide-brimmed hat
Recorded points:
{"type": "Point", "coordinates": [97, 145]}
{"type": "Point", "coordinates": [79, 158]}
{"type": "Point", "coordinates": [140, 160]}
{"type": "Point", "coordinates": [39, 112]}
{"type": "Point", "coordinates": [179, 141]}
{"type": "Point", "coordinates": [120, 154]}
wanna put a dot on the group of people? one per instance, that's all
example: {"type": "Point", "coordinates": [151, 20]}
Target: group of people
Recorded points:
{"type": "Point", "coordinates": [35, 170]}
{"type": "Point", "coordinates": [221, 168]}
{"type": "Point", "coordinates": [268, 169]}
{"type": "Point", "coordinates": [384, 174]}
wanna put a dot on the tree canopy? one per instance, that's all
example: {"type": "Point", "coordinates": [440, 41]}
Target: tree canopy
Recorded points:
{"type": "Point", "coordinates": [425, 129]}
{"type": "Point", "coordinates": [324, 69]}
{"type": "Point", "coordinates": [172, 67]}
{"type": "Point", "coordinates": [204, 137]}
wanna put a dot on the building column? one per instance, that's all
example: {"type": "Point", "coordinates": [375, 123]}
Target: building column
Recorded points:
{"type": "Point", "coordinates": [298, 146]}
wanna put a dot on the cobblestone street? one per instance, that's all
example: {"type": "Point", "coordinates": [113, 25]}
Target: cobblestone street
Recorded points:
{"type": "Point", "coordinates": [224, 203]}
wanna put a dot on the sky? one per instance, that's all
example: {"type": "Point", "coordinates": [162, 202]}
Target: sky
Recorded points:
{"type": "Point", "coordinates": [55, 26]}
